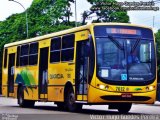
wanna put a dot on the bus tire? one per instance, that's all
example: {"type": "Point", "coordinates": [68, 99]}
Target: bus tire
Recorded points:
{"type": "Point", "coordinates": [21, 101]}
{"type": "Point", "coordinates": [70, 102]}
{"type": "Point", "coordinates": [124, 107]}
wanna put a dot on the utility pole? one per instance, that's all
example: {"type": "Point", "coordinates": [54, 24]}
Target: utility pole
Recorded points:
{"type": "Point", "coordinates": [26, 15]}
{"type": "Point", "coordinates": [75, 13]}
{"type": "Point", "coordinates": [153, 20]}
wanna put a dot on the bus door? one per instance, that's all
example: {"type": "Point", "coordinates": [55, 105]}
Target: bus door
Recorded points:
{"type": "Point", "coordinates": [11, 69]}
{"type": "Point", "coordinates": [82, 64]}
{"type": "Point", "coordinates": [43, 73]}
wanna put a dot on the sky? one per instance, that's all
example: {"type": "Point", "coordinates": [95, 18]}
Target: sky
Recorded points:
{"type": "Point", "coordinates": [8, 8]}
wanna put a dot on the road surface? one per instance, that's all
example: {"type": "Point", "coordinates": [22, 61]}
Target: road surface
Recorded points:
{"type": "Point", "coordinates": [9, 110]}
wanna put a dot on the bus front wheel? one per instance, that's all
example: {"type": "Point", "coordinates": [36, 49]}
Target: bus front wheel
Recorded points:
{"type": "Point", "coordinates": [124, 107]}
{"type": "Point", "coordinates": [70, 102]}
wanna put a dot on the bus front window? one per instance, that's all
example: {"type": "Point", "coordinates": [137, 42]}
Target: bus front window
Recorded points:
{"type": "Point", "coordinates": [125, 59]}
{"type": "Point", "coordinates": [141, 63]}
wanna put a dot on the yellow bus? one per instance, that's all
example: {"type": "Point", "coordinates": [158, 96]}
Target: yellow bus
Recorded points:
{"type": "Point", "coordinates": [101, 63]}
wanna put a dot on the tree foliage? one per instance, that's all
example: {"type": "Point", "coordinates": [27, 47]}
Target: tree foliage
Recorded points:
{"type": "Point", "coordinates": [44, 15]}
{"type": "Point", "coordinates": [103, 13]}
{"type": "Point", "coordinates": [157, 35]}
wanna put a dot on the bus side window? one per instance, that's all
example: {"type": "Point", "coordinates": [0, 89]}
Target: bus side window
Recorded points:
{"type": "Point", "coordinates": [5, 58]}
{"type": "Point", "coordinates": [33, 53]}
{"type": "Point", "coordinates": [24, 55]}
{"type": "Point", "coordinates": [55, 50]}
{"type": "Point", "coordinates": [68, 47]}
{"type": "Point", "coordinates": [18, 54]}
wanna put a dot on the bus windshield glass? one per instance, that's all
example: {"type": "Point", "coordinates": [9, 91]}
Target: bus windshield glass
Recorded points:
{"type": "Point", "coordinates": [125, 58]}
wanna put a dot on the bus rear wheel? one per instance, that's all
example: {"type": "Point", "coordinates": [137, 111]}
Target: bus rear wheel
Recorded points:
{"type": "Point", "coordinates": [21, 101]}
{"type": "Point", "coordinates": [70, 102]}
{"type": "Point", "coordinates": [124, 107]}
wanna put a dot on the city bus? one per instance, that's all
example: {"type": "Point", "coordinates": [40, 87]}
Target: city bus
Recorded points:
{"type": "Point", "coordinates": [96, 64]}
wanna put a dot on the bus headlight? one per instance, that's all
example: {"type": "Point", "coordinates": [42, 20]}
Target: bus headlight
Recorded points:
{"type": "Point", "coordinates": [150, 88]}
{"type": "Point", "coordinates": [101, 86]}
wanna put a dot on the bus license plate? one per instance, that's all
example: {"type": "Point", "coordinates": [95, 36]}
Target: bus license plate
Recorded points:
{"type": "Point", "coordinates": [126, 95]}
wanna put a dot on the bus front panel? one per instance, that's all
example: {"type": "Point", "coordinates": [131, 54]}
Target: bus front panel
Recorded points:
{"type": "Point", "coordinates": [125, 65]}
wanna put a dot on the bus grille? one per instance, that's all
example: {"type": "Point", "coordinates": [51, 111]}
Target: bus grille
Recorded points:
{"type": "Point", "coordinates": [119, 98]}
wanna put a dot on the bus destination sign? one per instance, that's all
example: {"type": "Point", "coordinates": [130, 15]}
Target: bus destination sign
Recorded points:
{"type": "Point", "coordinates": [123, 31]}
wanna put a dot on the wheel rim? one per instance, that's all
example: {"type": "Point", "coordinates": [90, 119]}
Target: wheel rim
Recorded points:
{"type": "Point", "coordinates": [20, 99]}
{"type": "Point", "coordinates": [71, 99]}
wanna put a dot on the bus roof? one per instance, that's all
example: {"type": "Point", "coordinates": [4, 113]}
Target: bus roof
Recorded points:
{"type": "Point", "coordinates": [67, 32]}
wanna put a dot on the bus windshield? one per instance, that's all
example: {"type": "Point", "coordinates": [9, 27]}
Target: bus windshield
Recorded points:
{"type": "Point", "coordinates": [125, 59]}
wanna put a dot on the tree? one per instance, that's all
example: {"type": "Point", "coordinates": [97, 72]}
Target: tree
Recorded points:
{"type": "Point", "coordinates": [44, 15]}
{"type": "Point", "coordinates": [61, 11]}
{"type": "Point", "coordinates": [104, 12]}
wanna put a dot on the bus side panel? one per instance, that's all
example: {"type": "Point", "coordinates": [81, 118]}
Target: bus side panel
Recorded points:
{"type": "Point", "coordinates": [59, 74]}
{"type": "Point", "coordinates": [4, 82]}
{"type": "Point", "coordinates": [28, 76]}
{"type": "Point", "coordinates": [31, 93]}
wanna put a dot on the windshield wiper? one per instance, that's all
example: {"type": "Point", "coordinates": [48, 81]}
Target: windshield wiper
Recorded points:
{"type": "Point", "coordinates": [115, 42]}
{"type": "Point", "coordinates": [135, 45]}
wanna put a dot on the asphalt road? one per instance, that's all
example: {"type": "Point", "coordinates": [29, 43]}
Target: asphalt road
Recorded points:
{"type": "Point", "coordinates": [9, 110]}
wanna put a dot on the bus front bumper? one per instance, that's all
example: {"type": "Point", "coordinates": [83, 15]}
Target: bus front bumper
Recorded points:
{"type": "Point", "coordinates": [99, 96]}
